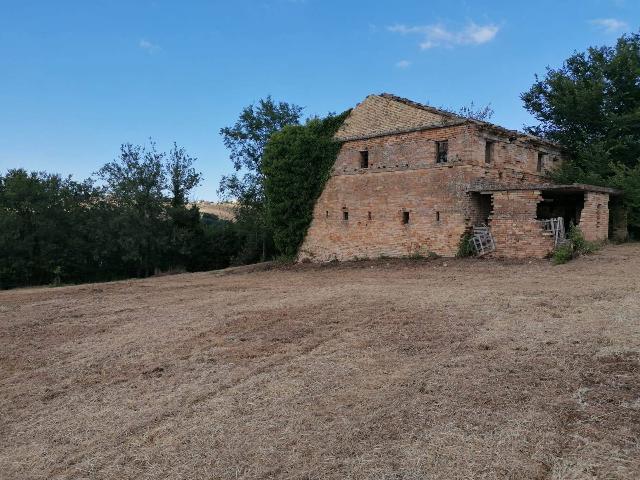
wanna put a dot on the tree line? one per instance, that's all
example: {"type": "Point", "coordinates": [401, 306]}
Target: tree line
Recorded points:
{"type": "Point", "coordinates": [591, 106]}
{"type": "Point", "coordinates": [133, 219]}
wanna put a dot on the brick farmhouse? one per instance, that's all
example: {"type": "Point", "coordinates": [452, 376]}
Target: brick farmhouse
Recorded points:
{"type": "Point", "coordinates": [411, 179]}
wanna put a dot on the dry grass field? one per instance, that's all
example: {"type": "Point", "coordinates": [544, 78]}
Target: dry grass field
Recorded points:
{"type": "Point", "coordinates": [222, 210]}
{"type": "Point", "coordinates": [372, 370]}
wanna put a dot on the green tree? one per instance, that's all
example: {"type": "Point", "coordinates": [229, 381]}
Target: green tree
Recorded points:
{"type": "Point", "coordinates": [297, 163]}
{"type": "Point", "coordinates": [219, 244]}
{"type": "Point", "coordinates": [591, 105]}
{"type": "Point", "coordinates": [185, 231]}
{"type": "Point", "coordinates": [246, 140]}
{"type": "Point", "coordinates": [41, 228]}
{"type": "Point", "coordinates": [136, 183]}
{"type": "Point", "coordinates": [56, 230]}
{"type": "Point", "coordinates": [182, 176]}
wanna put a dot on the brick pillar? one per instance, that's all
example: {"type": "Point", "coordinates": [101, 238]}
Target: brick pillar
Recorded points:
{"type": "Point", "coordinates": [594, 218]}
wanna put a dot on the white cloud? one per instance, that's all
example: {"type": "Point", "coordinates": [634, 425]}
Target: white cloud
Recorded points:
{"type": "Point", "coordinates": [147, 46]}
{"type": "Point", "coordinates": [610, 25]}
{"type": "Point", "coordinates": [403, 64]}
{"type": "Point", "coordinates": [438, 35]}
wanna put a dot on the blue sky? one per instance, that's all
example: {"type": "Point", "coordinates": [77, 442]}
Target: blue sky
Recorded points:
{"type": "Point", "coordinates": [78, 78]}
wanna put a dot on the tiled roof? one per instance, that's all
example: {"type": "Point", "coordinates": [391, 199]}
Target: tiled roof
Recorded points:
{"type": "Point", "coordinates": [388, 114]}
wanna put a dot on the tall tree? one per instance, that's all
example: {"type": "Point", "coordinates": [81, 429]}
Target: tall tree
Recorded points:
{"type": "Point", "coordinates": [136, 182]}
{"type": "Point", "coordinates": [246, 140]}
{"type": "Point", "coordinates": [591, 105]}
{"type": "Point", "coordinates": [185, 230]}
{"type": "Point", "coordinates": [182, 176]}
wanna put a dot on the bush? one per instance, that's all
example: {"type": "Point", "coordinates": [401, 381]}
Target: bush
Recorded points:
{"type": "Point", "coordinates": [563, 254]}
{"type": "Point", "coordinates": [465, 247]}
{"type": "Point", "coordinates": [575, 246]}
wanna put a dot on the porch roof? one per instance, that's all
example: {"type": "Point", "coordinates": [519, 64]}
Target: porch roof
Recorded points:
{"type": "Point", "coordinates": [572, 188]}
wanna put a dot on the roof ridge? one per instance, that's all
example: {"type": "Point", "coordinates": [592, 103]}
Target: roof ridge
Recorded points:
{"type": "Point", "coordinates": [419, 105]}
{"type": "Point", "coordinates": [482, 123]}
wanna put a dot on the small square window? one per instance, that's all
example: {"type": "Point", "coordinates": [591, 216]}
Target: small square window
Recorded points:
{"type": "Point", "coordinates": [345, 215]}
{"type": "Point", "coordinates": [405, 217]}
{"type": "Point", "coordinates": [364, 159]}
{"type": "Point", "coordinates": [442, 148]}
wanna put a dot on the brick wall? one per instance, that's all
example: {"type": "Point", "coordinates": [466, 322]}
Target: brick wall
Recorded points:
{"type": "Point", "coordinates": [515, 229]}
{"type": "Point", "coordinates": [594, 219]}
{"type": "Point", "coordinates": [433, 197]}
{"type": "Point", "coordinates": [378, 114]}
{"type": "Point", "coordinates": [514, 157]}
{"type": "Point", "coordinates": [403, 176]}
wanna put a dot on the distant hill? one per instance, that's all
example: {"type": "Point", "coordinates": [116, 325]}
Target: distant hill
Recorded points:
{"type": "Point", "coordinates": [224, 210]}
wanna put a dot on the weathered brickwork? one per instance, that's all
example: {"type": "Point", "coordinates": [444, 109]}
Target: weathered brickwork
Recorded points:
{"type": "Point", "coordinates": [375, 205]}
{"type": "Point", "coordinates": [381, 114]}
{"type": "Point", "coordinates": [594, 220]}
{"type": "Point", "coordinates": [403, 176]}
{"type": "Point", "coordinates": [515, 229]}
{"type": "Point", "coordinates": [397, 200]}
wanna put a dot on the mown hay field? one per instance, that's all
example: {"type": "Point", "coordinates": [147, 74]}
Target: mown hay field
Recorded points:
{"type": "Point", "coordinates": [404, 369]}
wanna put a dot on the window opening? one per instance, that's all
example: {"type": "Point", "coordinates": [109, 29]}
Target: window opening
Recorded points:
{"type": "Point", "coordinates": [488, 151]}
{"type": "Point", "coordinates": [442, 148]}
{"type": "Point", "coordinates": [364, 159]}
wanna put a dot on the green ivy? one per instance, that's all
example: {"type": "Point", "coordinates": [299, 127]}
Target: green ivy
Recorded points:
{"type": "Point", "coordinates": [296, 165]}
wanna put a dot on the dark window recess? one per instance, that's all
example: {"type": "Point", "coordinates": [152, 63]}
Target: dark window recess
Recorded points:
{"type": "Point", "coordinates": [488, 152]}
{"type": "Point", "coordinates": [442, 148]}
{"type": "Point", "coordinates": [326, 214]}
{"type": "Point", "coordinates": [345, 215]}
{"type": "Point", "coordinates": [364, 159]}
{"type": "Point", "coordinates": [369, 215]}
{"type": "Point", "coordinates": [405, 217]}
{"type": "Point", "coordinates": [437, 216]}
{"type": "Point", "coordinates": [540, 161]}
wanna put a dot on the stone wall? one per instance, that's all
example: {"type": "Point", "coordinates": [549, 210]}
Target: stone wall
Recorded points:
{"type": "Point", "coordinates": [594, 219]}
